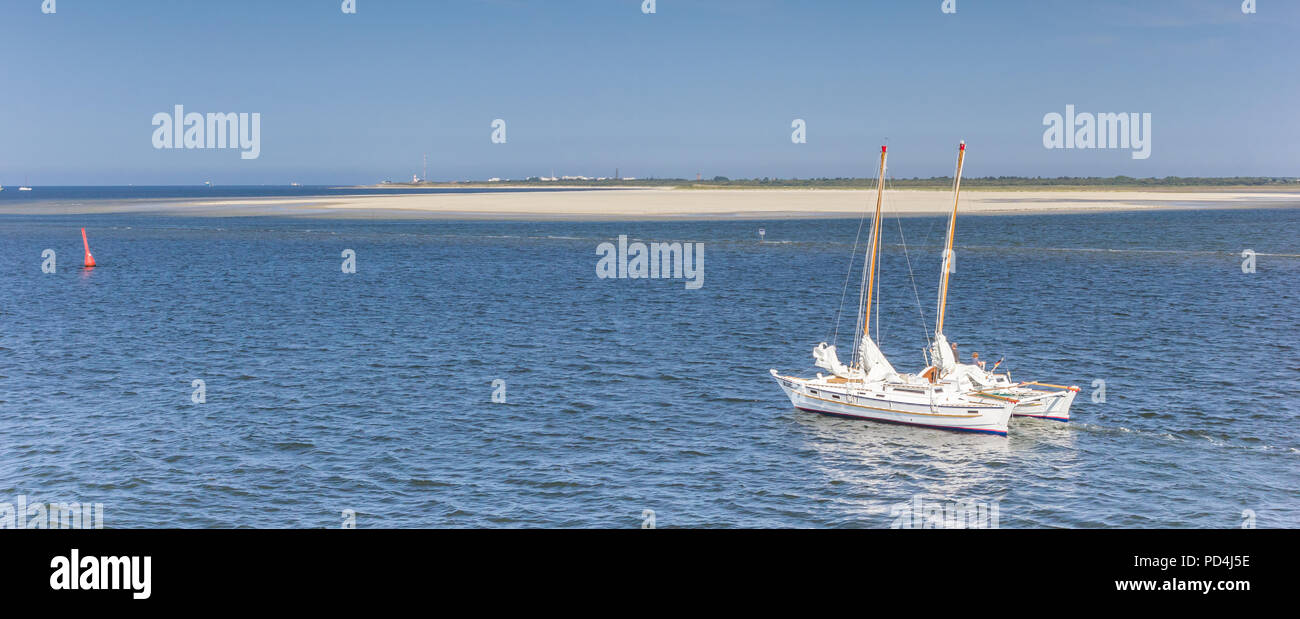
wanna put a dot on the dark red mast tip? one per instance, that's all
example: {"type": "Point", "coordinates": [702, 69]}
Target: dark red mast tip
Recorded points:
{"type": "Point", "coordinates": [882, 148]}
{"type": "Point", "coordinates": [963, 145]}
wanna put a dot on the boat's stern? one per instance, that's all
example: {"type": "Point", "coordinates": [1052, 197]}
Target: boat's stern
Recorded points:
{"type": "Point", "coordinates": [1053, 405]}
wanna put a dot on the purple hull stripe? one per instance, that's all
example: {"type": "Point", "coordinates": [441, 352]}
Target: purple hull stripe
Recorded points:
{"type": "Point", "coordinates": [904, 423]}
{"type": "Point", "coordinates": [1065, 419]}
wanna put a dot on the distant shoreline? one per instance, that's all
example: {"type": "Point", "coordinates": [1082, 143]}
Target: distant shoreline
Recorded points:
{"type": "Point", "coordinates": [1262, 184]}
{"type": "Point", "coordinates": [664, 203]}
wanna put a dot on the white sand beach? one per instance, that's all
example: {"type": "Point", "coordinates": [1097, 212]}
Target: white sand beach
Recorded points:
{"type": "Point", "coordinates": [669, 203]}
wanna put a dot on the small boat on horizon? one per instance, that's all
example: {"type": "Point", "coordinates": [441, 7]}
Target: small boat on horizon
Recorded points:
{"type": "Point", "coordinates": [24, 189]}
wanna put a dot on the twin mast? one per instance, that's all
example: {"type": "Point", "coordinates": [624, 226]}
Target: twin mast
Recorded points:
{"type": "Point", "coordinates": [875, 243]}
{"type": "Point", "coordinates": [947, 394]}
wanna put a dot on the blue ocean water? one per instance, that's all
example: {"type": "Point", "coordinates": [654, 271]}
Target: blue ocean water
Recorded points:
{"type": "Point", "coordinates": [372, 391]}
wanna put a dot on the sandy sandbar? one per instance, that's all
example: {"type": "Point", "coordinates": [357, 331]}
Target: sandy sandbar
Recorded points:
{"type": "Point", "coordinates": [668, 203]}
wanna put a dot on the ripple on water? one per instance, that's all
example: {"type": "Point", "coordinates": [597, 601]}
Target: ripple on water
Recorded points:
{"type": "Point", "coordinates": [373, 391]}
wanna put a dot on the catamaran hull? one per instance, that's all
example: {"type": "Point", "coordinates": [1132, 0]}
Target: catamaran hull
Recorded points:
{"type": "Point", "coordinates": [1056, 408]}
{"type": "Point", "coordinates": [984, 420]}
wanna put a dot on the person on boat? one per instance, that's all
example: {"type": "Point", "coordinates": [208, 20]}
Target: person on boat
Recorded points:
{"type": "Point", "coordinates": [975, 358]}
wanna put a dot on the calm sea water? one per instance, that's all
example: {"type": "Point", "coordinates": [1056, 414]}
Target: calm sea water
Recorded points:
{"type": "Point", "coordinates": [372, 391]}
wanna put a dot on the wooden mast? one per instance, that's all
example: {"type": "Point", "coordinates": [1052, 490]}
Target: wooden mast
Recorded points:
{"type": "Point", "coordinates": [947, 252]}
{"type": "Point", "coordinates": [875, 245]}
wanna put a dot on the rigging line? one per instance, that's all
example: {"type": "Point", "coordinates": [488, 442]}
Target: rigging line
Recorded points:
{"type": "Point", "coordinates": [929, 234]}
{"type": "Point", "coordinates": [835, 333]}
{"type": "Point", "coordinates": [862, 300]}
{"type": "Point", "coordinates": [880, 336]}
{"type": "Point", "coordinates": [912, 276]}
{"type": "Point", "coordinates": [862, 296]}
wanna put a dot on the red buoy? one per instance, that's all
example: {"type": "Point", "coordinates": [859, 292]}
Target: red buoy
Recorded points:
{"type": "Point", "coordinates": [90, 260]}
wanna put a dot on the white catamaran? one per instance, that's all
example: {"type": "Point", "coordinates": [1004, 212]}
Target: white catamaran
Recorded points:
{"type": "Point", "coordinates": [947, 394]}
{"type": "Point", "coordinates": [870, 388]}
{"type": "Point", "coordinates": [1030, 399]}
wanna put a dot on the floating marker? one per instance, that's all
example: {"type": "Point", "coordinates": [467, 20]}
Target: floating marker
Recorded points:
{"type": "Point", "coordinates": [90, 260]}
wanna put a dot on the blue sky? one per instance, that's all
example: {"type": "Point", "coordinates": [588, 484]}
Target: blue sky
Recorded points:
{"type": "Point", "coordinates": [585, 86]}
